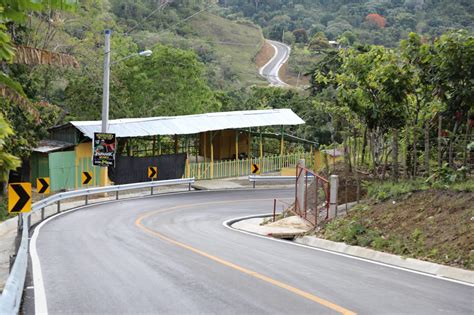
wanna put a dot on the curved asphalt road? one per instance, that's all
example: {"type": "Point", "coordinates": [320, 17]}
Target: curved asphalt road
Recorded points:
{"type": "Point", "coordinates": [172, 255]}
{"type": "Point", "coordinates": [271, 69]}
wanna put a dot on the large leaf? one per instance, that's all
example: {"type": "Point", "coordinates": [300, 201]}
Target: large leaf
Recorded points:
{"type": "Point", "coordinates": [35, 56]}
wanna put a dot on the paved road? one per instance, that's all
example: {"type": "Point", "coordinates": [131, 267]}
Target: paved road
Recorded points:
{"type": "Point", "coordinates": [271, 69]}
{"type": "Point", "coordinates": [172, 255]}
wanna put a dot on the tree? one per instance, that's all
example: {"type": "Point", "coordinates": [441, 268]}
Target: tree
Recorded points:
{"type": "Point", "coordinates": [453, 70]}
{"type": "Point", "coordinates": [319, 42]}
{"type": "Point", "coordinates": [376, 19]}
{"type": "Point", "coordinates": [8, 161]}
{"type": "Point", "coordinates": [301, 36]}
{"type": "Point", "coordinates": [170, 82]}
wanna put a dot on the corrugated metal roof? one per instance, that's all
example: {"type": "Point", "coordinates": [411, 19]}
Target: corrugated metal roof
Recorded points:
{"type": "Point", "coordinates": [191, 124]}
{"type": "Point", "coordinates": [45, 146]}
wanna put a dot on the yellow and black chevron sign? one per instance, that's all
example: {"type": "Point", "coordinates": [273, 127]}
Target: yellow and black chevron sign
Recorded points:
{"type": "Point", "coordinates": [86, 178]}
{"type": "Point", "coordinates": [255, 169]}
{"type": "Point", "coordinates": [43, 185]}
{"type": "Point", "coordinates": [152, 172]}
{"type": "Point", "coordinates": [19, 197]}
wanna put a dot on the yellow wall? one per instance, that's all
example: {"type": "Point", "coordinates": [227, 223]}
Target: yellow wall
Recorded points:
{"type": "Point", "coordinates": [224, 144]}
{"type": "Point", "coordinates": [84, 163]}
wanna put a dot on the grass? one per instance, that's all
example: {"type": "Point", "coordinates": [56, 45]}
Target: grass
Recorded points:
{"type": "Point", "coordinates": [381, 191]}
{"type": "Point", "coordinates": [246, 39]}
{"type": "Point", "coordinates": [412, 219]}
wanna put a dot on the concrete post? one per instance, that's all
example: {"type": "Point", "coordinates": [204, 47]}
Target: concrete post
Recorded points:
{"type": "Point", "coordinates": [334, 185]}
{"type": "Point", "coordinates": [300, 193]}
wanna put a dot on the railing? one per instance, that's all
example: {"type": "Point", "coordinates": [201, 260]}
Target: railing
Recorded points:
{"type": "Point", "coordinates": [311, 196]}
{"type": "Point", "coordinates": [254, 179]}
{"type": "Point", "coordinates": [237, 168]}
{"type": "Point", "coordinates": [10, 300]}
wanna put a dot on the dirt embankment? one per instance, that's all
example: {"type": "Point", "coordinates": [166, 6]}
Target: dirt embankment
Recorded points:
{"type": "Point", "coordinates": [264, 55]}
{"type": "Point", "coordinates": [433, 225]}
{"type": "Point", "coordinates": [292, 78]}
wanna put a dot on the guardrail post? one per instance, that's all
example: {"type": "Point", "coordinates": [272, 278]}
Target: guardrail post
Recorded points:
{"type": "Point", "coordinates": [333, 182]}
{"type": "Point", "coordinates": [42, 214]}
{"type": "Point", "coordinates": [59, 206]}
{"type": "Point", "coordinates": [274, 209]}
{"type": "Point", "coordinates": [117, 195]}
{"type": "Point", "coordinates": [254, 182]}
{"type": "Point", "coordinates": [87, 200]}
{"type": "Point", "coordinates": [20, 221]}
{"type": "Point", "coordinates": [189, 186]}
{"type": "Point", "coordinates": [152, 190]}
{"type": "Point", "coordinates": [28, 222]}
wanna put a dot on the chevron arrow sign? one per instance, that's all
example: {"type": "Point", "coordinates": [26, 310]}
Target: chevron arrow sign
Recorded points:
{"type": "Point", "coordinates": [19, 197]}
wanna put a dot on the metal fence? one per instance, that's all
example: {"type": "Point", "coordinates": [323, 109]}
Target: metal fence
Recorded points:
{"type": "Point", "coordinates": [311, 196]}
{"type": "Point", "coordinates": [11, 297]}
{"type": "Point", "coordinates": [237, 168]}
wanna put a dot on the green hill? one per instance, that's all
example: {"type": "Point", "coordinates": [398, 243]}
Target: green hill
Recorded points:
{"type": "Point", "coordinates": [226, 47]}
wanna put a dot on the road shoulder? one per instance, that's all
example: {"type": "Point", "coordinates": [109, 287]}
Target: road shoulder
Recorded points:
{"type": "Point", "coordinates": [252, 225]}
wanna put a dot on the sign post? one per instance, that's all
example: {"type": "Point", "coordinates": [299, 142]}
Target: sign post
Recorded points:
{"type": "Point", "coordinates": [104, 149]}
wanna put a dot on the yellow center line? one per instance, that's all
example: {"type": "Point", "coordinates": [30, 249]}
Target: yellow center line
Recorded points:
{"type": "Point", "coordinates": [257, 275]}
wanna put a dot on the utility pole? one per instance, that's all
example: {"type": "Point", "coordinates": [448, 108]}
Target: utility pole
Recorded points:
{"type": "Point", "coordinates": [105, 96]}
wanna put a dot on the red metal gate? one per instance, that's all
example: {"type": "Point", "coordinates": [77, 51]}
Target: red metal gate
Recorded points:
{"type": "Point", "coordinates": [311, 196]}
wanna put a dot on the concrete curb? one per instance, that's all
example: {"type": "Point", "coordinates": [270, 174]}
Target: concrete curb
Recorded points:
{"type": "Point", "coordinates": [8, 225]}
{"type": "Point", "coordinates": [410, 264]}
{"type": "Point", "coordinates": [390, 259]}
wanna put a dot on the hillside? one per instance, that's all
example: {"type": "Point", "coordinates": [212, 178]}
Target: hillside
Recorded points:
{"type": "Point", "coordinates": [378, 22]}
{"type": "Point", "coordinates": [226, 47]}
{"type": "Point", "coordinates": [434, 225]}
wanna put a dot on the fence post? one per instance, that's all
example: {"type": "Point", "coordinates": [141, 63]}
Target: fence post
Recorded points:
{"type": "Point", "coordinates": [333, 187]}
{"type": "Point", "coordinates": [300, 192]}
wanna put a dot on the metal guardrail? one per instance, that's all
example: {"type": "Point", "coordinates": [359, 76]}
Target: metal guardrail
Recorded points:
{"type": "Point", "coordinates": [270, 178]}
{"type": "Point", "coordinates": [10, 300]}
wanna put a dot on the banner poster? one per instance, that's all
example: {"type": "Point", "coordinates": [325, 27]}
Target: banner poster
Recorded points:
{"type": "Point", "coordinates": [103, 149]}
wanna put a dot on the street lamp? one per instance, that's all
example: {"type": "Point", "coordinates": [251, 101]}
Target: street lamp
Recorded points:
{"type": "Point", "coordinates": [107, 64]}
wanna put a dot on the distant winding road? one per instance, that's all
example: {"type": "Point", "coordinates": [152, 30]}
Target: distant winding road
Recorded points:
{"type": "Point", "coordinates": [271, 69]}
{"type": "Point", "coordinates": [172, 255]}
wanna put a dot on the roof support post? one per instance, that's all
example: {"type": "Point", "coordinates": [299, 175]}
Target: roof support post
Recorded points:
{"type": "Point", "coordinates": [159, 145]}
{"type": "Point", "coordinates": [236, 144]}
{"type": "Point", "coordinates": [176, 144]}
{"type": "Point", "coordinates": [282, 142]}
{"type": "Point", "coordinates": [249, 153]}
{"type": "Point", "coordinates": [212, 154]}
{"type": "Point", "coordinates": [205, 146]}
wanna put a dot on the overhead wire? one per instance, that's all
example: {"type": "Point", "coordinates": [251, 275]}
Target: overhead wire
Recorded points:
{"type": "Point", "coordinates": [160, 7]}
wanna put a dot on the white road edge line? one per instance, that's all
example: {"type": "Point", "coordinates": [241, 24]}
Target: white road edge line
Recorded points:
{"type": "Point", "coordinates": [41, 304]}
{"type": "Point", "coordinates": [227, 225]}
{"type": "Point", "coordinates": [270, 61]}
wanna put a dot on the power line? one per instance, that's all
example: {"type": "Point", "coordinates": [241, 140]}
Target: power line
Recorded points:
{"type": "Point", "coordinates": [160, 7]}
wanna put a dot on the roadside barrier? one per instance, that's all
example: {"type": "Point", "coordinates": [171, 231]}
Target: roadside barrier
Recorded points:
{"type": "Point", "coordinates": [236, 168]}
{"type": "Point", "coordinates": [10, 300]}
{"type": "Point", "coordinates": [254, 179]}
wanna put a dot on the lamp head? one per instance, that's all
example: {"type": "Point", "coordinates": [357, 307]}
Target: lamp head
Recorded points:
{"type": "Point", "coordinates": [145, 53]}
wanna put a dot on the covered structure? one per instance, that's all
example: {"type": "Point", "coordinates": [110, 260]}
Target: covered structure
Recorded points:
{"type": "Point", "coordinates": [202, 138]}
{"type": "Point", "coordinates": [221, 131]}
